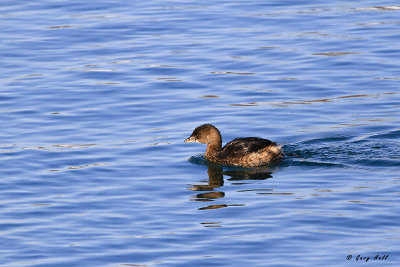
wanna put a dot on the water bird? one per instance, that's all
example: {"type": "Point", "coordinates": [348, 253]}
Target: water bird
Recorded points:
{"type": "Point", "coordinates": [243, 151]}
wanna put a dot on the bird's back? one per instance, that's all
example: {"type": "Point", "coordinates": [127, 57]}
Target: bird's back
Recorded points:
{"type": "Point", "coordinates": [249, 152]}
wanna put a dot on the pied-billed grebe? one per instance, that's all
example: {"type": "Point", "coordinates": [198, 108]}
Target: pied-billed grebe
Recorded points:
{"type": "Point", "coordinates": [245, 152]}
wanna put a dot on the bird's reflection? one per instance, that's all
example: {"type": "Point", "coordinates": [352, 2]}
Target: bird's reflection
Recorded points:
{"type": "Point", "coordinates": [216, 174]}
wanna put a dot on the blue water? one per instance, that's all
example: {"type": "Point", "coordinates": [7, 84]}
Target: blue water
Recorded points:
{"type": "Point", "coordinates": [96, 98]}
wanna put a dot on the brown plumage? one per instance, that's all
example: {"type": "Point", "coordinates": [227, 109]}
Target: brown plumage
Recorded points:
{"type": "Point", "coordinates": [245, 152]}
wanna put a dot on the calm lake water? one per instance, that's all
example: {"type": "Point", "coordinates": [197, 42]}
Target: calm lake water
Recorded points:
{"type": "Point", "coordinates": [96, 98]}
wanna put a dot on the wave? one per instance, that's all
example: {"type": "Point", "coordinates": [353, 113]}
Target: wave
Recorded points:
{"type": "Point", "coordinates": [372, 150]}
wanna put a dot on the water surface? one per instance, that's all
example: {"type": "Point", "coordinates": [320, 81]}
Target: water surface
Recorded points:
{"type": "Point", "coordinates": [96, 99]}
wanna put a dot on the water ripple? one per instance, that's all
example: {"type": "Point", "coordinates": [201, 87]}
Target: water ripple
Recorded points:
{"type": "Point", "coordinates": [97, 97]}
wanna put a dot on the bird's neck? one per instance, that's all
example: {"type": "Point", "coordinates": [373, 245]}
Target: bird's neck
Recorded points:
{"type": "Point", "coordinates": [213, 148]}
